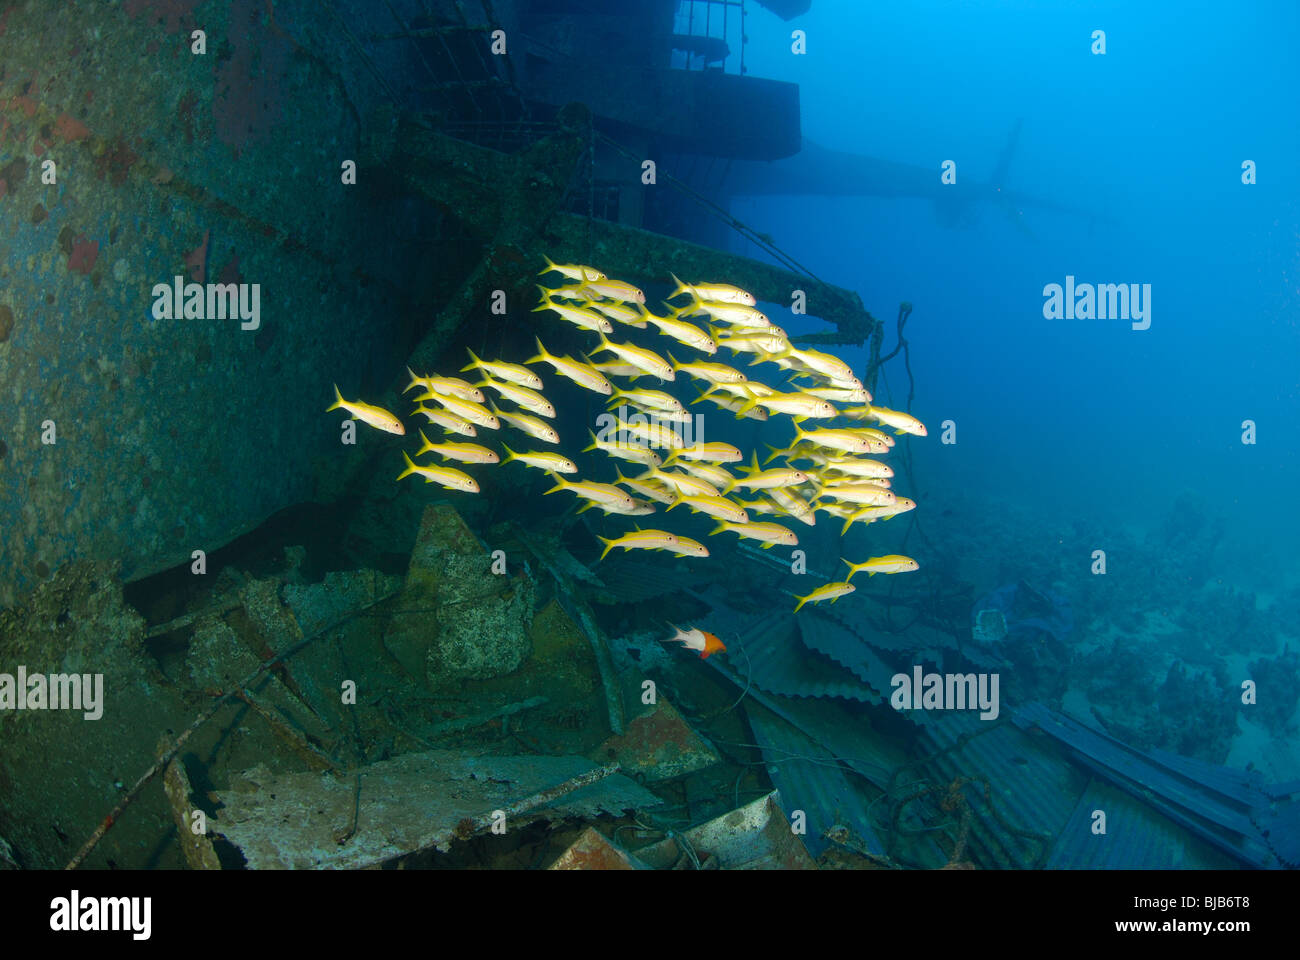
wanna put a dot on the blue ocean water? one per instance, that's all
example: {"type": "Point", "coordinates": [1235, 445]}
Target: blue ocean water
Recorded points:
{"type": "Point", "coordinates": [1144, 147]}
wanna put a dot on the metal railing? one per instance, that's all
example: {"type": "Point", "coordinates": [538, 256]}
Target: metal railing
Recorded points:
{"type": "Point", "coordinates": [712, 33]}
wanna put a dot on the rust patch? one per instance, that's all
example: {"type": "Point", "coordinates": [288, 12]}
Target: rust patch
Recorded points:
{"type": "Point", "coordinates": [115, 163]}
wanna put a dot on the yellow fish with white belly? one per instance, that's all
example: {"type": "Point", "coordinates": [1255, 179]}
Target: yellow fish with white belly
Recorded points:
{"type": "Point", "coordinates": [544, 460]}
{"type": "Point", "coordinates": [893, 563]}
{"type": "Point", "coordinates": [770, 533]}
{"type": "Point", "coordinates": [367, 413]}
{"type": "Point", "coordinates": [641, 540]}
{"type": "Point", "coordinates": [573, 271]}
{"type": "Point", "coordinates": [828, 591]}
{"type": "Point", "coordinates": [465, 452]}
{"type": "Point", "coordinates": [449, 477]}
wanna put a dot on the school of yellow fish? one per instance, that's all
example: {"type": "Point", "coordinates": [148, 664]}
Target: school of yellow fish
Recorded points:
{"type": "Point", "coordinates": [827, 469]}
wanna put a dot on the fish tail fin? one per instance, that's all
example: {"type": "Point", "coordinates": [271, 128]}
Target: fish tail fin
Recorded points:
{"type": "Point", "coordinates": [802, 601]}
{"type": "Point", "coordinates": [745, 407]}
{"type": "Point", "coordinates": [410, 467]}
{"type": "Point", "coordinates": [773, 455]}
{"type": "Point", "coordinates": [560, 483]}
{"type": "Point", "coordinates": [589, 504]}
{"type": "Point", "coordinates": [847, 523]}
{"type": "Point", "coordinates": [541, 352]}
{"type": "Point", "coordinates": [672, 455]}
{"type": "Point", "coordinates": [474, 362]}
{"type": "Point", "coordinates": [681, 287]}
{"type": "Point", "coordinates": [425, 440]}
{"type": "Point", "coordinates": [415, 381]}
{"type": "Point", "coordinates": [720, 528]}
{"type": "Point", "coordinates": [550, 265]}
{"type": "Point", "coordinates": [338, 400]}
{"type": "Point", "coordinates": [510, 454]}
{"type": "Point", "coordinates": [677, 501]}
{"type": "Point", "coordinates": [609, 545]}
{"type": "Point", "coordinates": [546, 300]}
{"type": "Point", "coordinates": [594, 443]}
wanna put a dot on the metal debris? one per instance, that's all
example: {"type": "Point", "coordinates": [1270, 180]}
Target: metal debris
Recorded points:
{"type": "Point", "coordinates": [592, 851]}
{"type": "Point", "coordinates": [757, 836]}
{"type": "Point", "coordinates": [410, 803]}
{"type": "Point", "coordinates": [660, 745]}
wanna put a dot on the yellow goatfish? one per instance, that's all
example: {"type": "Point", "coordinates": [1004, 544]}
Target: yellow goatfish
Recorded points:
{"type": "Point", "coordinates": [584, 375]}
{"type": "Point", "coordinates": [901, 422]}
{"type": "Point", "coordinates": [617, 368]}
{"type": "Point", "coordinates": [641, 540]}
{"type": "Point", "coordinates": [793, 505]}
{"type": "Point", "coordinates": [857, 468]}
{"type": "Point", "coordinates": [826, 364]}
{"type": "Point", "coordinates": [573, 271]}
{"type": "Point", "coordinates": [617, 311]}
{"type": "Point", "coordinates": [656, 434]}
{"type": "Point", "coordinates": [713, 291]}
{"type": "Point", "coordinates": [720, 508]}
{"type": "Point", "coordinates": [623, 451]}
{"type": "Point", "coordinates": [452, 385]}
{"type": "Point", "coordinates": [712, 452]}
{"type": "Point", "coordinates": [757, 478]}
{"type": "Point", "coordinates": [718, 476]}
{"type": "Point", "coordinates": [770, 533]}
{"type": "Point", "coordinates": [470, 410]}
{"type": "Point", "coordinates": [648, 399]}
{"type": "Point", "coordinates": [645, 360]}
{"type": "Point", "coordinates": [737, 315]}
{"type": "Point", "coordinates": [510, 372]}
{"type": "Point", "coordinates": [646, 490]}
{"type": "Point", "coordinates": [893, 563]}
{"type": "Point", "coordinates": [600, 492]}
{"type": "Point", "coordinates": [840, 394]}
{"type": "Point", "coordinates": [578, 316]}
{"type": "Point", "coordinates": [684, 483]}
{"type": "Point", "coordinates": [684, 333]}
{"type": "Point", "coordinates": [727, 403]}
{"type": "Point", "coordinates": [866, 493]}
{"type": "Point", "coordinates": [686, 547]}
{"type": "Point", "coordinates": [550, 462]}
{"type": "Point", "coordinates": [829, 591]}
{"type": "Point", "coordinates": [639, 508]}
{"type": "Point", "coordinates": [368, 413]}
{"type": "Point", "coordinates": [448, 421]}
{"type": "Point", "coordinates": [872, 514]}
{"type": "Point", "coordinates": [529, 424]}
{"type": "Point", "coordinates": [528, 399]}
{"type": "Point", "coordinates": [712, 372]}
{"type": "Point", "coordinates": [449, 477]}
{"type": "Point", "coordinates": [799, 405]}
{"type": "Point", "coordinates": [832, 439]}
{"type": "Point", "coordinates": [615, 290]}
{"type": "Point", "coordinates": [465, 452]}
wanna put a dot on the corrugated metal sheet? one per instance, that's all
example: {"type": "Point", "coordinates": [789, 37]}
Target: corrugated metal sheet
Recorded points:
{"type": "Point", "coordinates": [1136, 838]}
{"type": "Point", "coordinates": [1218, 818]}
{"type": "Point", "coordinates": [772, 655]}
{"type": "Point", "coordinates": [1032, 791]}
{"type": "Point", "coordinates": [857, 612]}
{"type": "Point", "coordinates": [834, 640]}
{"type": "Point", "coordinates": [810, 780]}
